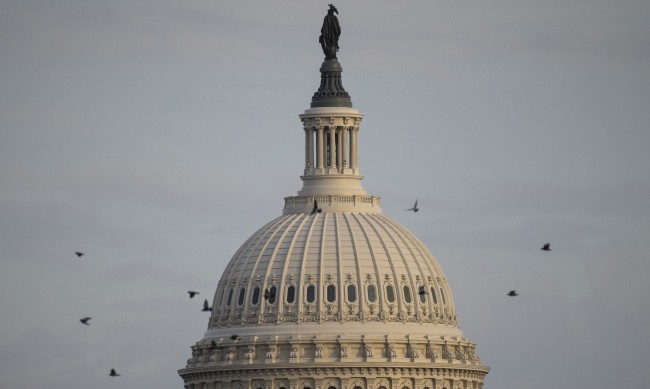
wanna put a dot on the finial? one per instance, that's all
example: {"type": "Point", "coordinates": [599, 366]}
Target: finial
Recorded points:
{"type": "Point", "coordinates": [329, 33]}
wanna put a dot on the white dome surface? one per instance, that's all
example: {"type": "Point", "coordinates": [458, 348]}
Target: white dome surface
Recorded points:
{"type": "Point", "coordinates": [374, 269]}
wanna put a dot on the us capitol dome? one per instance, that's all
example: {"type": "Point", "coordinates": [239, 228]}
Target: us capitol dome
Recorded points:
{"type": "Point", "coordinates": [333, 294]}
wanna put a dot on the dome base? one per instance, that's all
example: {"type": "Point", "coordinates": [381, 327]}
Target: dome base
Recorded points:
{"type": "Point", "coordinates": [354, 203]}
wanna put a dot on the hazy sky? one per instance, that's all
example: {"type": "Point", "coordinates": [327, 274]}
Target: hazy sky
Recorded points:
{"type": "Point", "coordinates": [157, 136]}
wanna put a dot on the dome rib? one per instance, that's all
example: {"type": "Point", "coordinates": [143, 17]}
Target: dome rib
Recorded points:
{"type": "Point", "coordinates": [305, 257]}
{"type": "Point", "coordinates": [355, 254]}
{"type": "Point", "coordinates": [401, 306]}
{"type": "Point", "coordinates": [413, 241]}
{"type": "Point", "coordinates": [272, 259]}
{"type": "Point", "coordinates": [414, 299]}
{"type": "Point", "coordinates": [373, 256]}
{"type": "Point", "coordinates": [287, 262]}
{"type": "Point", "coordinates": [321, 263]}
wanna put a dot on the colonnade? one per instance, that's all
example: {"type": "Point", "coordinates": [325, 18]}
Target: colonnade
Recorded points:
{"type": "Point", "coordinates": [331, 147]}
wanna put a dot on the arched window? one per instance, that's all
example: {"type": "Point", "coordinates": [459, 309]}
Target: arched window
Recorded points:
{"type": "Point", "coordinates": [272, 293]}
{"type": "Point", "coordinates": [372, 294]}
{"type": "Point", "coordinates": [331, 293]}
{"type": "Point", "coordinates": [433, 295]}
{"type": "Point", "coordinates": [291, 294]}
{"type": "Point", "coordinates": [352, 293]}
{"type": "Point", "coordinates": [230, 296]}
{"type": "Point", "coordinates": [422, 294]}
{"type": "Point", "coordinates": [256, 295]}
{"type": "Point", "coordinates": [311, 293]}
{"type": "Point", "coordinates": [390, 294]}
{"type": "Point", "coordinates": [442, 294]}
{"type": "Point", "coordinates": [242, 293]}
{"type": "Point", "coordinates": [407, 294]}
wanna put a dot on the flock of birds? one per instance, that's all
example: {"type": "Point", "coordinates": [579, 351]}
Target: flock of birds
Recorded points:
{"type": "Point", "coordinates": [192, 293]}
{"type": "Point", "coordinates": [414, 208]}
{"type": "Point", "coordinates": [267, 294]}
{"type": "Point", "coordinates": [206, 306]}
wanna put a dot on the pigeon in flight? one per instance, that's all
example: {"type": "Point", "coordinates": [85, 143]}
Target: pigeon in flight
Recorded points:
{"type": "Point", "coordinates": [85, 320]}
{"type": "Point", "coordinates": [268, 295]}
{"type": "Point", "coordinates": [192, 293]}
{"type": "Point", "coordinates": [315, 209]}
{"type": "Point", "coordinates": [415, 207]}
{"type": "Point", "coordinates": [113, 373]}
{"type": "Point", "coordinates": [79, 254]}
{"type": "Point", "coordinates": [546, 247]}
{"type": "Point", "coordinates": [512, 293]}
{"type": "Point", "coordinates": [206, 307]}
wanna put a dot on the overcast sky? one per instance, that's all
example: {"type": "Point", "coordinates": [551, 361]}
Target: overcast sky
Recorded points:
{"type": "Point", "coordinates": [157, 136]}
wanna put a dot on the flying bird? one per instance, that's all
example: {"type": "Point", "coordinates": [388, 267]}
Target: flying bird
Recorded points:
{"type": "Point", "coordinates": [206, 307]}
{"type": "Point", "coordinates": [315, 209]}
{"type": "Point", "coordinates": [415, 207]}
{"type": "Point", "coordinates": [192, 293]}
{"type": "Point", "coordinates": [79, 254]}
{"type": "Point", "coordinates": [113, 373]}
{"type": "Point", "coordinates": [546, 247]}
{"type": "Point", "coordinates": [269, 295]}
{"type": "Point", "coordinates": [513, 293]}
{"type": "Point", "coordinates": [85, 320]}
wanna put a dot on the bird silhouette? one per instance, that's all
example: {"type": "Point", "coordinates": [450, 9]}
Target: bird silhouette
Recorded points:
{"type": "Point", "coordinates": [85, 320]}
{"type": "Point", "coordinates": [315, 209]}
{"type": "Point", "coordinates": [192, 293]}
{"type": "Point", "coordinates": [415, 207]}
{"type": "Point", "coordinates": [113, 373]}
{"type": "Point", "coordinates": [79, 254]}
{"type": "Point", "coordinates": [234, 337]}
{"type": "Point", "coordinates": [513, 293]}
{"type": "Point", "coordinates": [546, 247]}
{"type": "Point", "coordinates": [213, 344]}
{"type": "Point", "coordinates": [269, 295]}
{"type": "Point", "coordinates": [206, 307]}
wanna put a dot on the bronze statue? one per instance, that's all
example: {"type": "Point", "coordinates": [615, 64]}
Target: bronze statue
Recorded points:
{"type": "Point", "coordinates": [329, 33]}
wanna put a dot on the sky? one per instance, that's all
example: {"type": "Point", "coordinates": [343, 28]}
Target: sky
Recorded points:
{"type": "Point", "coordinates": [157, 136]}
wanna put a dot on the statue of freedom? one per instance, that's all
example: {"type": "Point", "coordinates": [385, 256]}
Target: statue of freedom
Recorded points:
{"type": "Point", "coordinates": [329, 33]}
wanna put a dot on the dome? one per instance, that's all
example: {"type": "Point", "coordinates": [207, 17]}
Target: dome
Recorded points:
{"type": "Point", "coordinates": [333, 267]}
{"type": "Point", "coordinates": [333, 294]}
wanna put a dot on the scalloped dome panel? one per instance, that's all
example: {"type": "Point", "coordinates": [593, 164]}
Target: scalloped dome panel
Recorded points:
{"type": "Point", "coordinates": [332, 266]}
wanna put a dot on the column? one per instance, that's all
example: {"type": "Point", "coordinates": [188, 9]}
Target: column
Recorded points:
{"type": "Point", "coordinates": [310, 147]}
{"type": "Point", "coordinates": [354, 152]}
{"type": "Point", "coordinates": [332, 146]}
{"type": "Point", "coordinates": [319, 147]}
{"type": "Point", "coordinates": [306, 148]}
{"type": "Point", "coordinates": [344, 147]}
{"type": "Point", "coordinates": [339, 148]}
